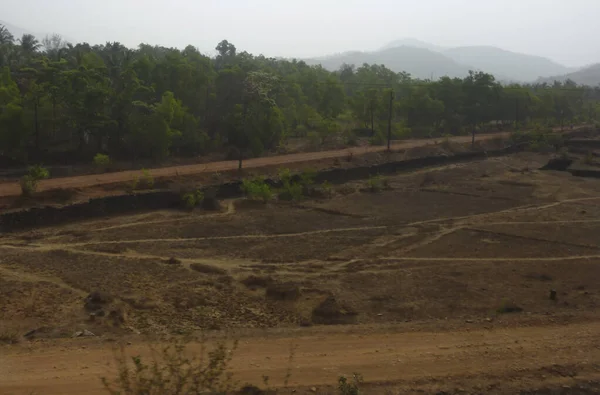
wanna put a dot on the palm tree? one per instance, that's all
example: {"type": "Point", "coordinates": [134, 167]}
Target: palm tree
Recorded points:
{"type": "Point", "coordinates": [5, 36]}
{"type": "Point", "coordinates": [29, 44]}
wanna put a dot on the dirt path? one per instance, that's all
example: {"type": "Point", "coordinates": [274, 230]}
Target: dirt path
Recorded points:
{"type": "Point", "coordinates": [13, 189]}
{"type": "Point", "coordinates": [474, 356]}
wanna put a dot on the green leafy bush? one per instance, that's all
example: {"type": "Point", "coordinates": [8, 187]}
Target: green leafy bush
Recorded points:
{"type": "Point", "coordinates": [146, 180]}
{"type": "Point", "coordinates": [192, 199]}
{"type": "Point", "coordinates": [377, 183]}
{"type": "Point", "coordinates": [290, 190]}
{"type": "Point", "coordinates": [29, 182]}
{"type": "Point", "coordinates": [307, 178]}
{"type": "Point", "coordinates": [257, 189]}
{"type": "Point", "coordinates": [101, 160]}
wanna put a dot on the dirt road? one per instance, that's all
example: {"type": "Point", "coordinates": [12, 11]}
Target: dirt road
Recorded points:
{"type": "Point", "coordinates": [474, 357]}
{"type": "Point", "coordinates": [13, 188]}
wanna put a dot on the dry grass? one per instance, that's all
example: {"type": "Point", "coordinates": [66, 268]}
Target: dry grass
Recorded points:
{"type": "Point", "coordinates": [9, 336]}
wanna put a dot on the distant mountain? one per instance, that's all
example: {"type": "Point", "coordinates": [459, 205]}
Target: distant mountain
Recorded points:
{"type": "Point", "coordinates": [413, 42]}
{"type": "Point", "coordinates": [587, 76]}
{"type": "Point", "coordinates": [512, 65]}
{"type": "Point", "coordinates": [18, 32]}
{"type": "Point", "coordinates": [419, 62]}
{"type": "Point", "coordinates": [423, 59]}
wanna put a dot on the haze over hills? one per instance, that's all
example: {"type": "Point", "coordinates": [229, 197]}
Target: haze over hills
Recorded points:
{"type": "Point", "coordinates": [422, 60]}
{"type": "Point", "coordinates": [413, 42]}
{"type": "Point", "coordinates": [18, 32]}
{"type": "Point", "coordinates": [419, 62]}
{"type": "Point", "coordinates": [586, 76]}
{"type": "Point", "coordinates": [497, 61]}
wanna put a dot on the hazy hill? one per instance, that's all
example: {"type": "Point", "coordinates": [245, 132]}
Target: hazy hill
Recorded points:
{"type": "Point", "coordinates": [413, 42]}
{"type": "Point", "coordinates": [18, 32]}
{"type": "Point", "coordinates": [512, 65]}
{"type": "Point", "coordinates": [423, 59]}
{"type": "Point", "coordinates": [419, 62]}
{"type": "Point", "coordinates": [587, 76]}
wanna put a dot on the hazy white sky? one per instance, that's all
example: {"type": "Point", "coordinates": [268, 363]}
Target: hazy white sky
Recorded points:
{"type": "Point", "coordinates": [564, 30]}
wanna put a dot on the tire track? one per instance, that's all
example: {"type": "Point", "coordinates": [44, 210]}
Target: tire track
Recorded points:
{"type": "Point", "coordinates": [186, 262]}
{"type": "Point", "coordinates": [230, 211]}
{"type": "Point", "coordinates": [215, 238]}
{"type": "Point", "coordinates": [595, 247]}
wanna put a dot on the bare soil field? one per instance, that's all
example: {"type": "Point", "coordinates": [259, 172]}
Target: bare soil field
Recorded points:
{"type": "Point", "coordinates": [439, 283]}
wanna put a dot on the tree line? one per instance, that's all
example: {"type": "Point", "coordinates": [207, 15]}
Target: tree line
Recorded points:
{"type": "Point", "coordinates": [67, 102]}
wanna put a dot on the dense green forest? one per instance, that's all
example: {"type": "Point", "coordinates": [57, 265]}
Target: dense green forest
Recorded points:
{"type": "Point", "coordinates": [67, 102]}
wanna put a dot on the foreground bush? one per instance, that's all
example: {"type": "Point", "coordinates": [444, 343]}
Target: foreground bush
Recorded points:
{"type": "Point", "coordinates": [173, 372]}
{"type": "Point", "coordinates": [29, 182]}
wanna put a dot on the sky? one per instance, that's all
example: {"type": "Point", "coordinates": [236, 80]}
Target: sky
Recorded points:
{"type": "Point", "coordinates": [563, 30]}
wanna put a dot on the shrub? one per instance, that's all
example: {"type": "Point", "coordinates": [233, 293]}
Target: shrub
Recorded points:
{"type": "Point", "coordinates": [29, 182]}
{"type": "Point", "coordinates": [446, 141]}
{"type": "Point", "coordinates": [146, 181]}
{"type": "Point", "coordinates": [8, 337]}
{"type": "Point", "coordinates": [173, 370]}
{"type": "Point", "coordinates": [101, 160]}
{"type": "Point", "coordinates": [376, 183]}
{"type": "Point", "coordinates": [291, 190]}
{"type": "Point", "coordinates": [257, 189]}
{"type": "Point", "coordinates": [589, 159]}
{"type": "Point", "coordinates": [352, 388]}
{"type": "Point", "coordinates": [378, 139]}
{"type": "Point", "coordinates": [285, 175]}
{"type": "Point", "coordinates": [134, 184]}
{"type": "Point", "coordinates": [509, 307]}
{"type": "Point", "coordinates": [307, 178]}
{"type": "Point", "coordinates": [192, 199]}
{"type": "Point", "coordinates": [327, 188]}
{"type": "Point", "coordinates": [28, 186]}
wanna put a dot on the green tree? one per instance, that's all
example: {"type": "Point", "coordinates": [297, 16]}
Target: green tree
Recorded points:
{"type": "Point", "coordinates": [13, 133]}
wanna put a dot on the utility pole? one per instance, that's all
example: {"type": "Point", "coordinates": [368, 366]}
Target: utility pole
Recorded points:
{"type": "Point", "coordinates": [390, 119]}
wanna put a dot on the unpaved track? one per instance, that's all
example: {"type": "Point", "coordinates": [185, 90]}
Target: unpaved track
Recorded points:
{"type": "Point", "coordinates": [13, 189]}
{"type": "Point", "coordinates": [74, 367]}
